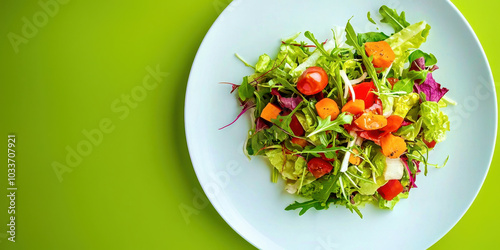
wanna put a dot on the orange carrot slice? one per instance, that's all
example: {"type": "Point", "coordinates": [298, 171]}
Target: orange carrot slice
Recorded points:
{"type": "Point", "coordinates": [353, 159]}
{"type": "Point", "coordinates": [392, 146]}
{"type": "Point", "coordinates": [327, 107]}
{"type": "Point", "coordinates": [270, 112]}
{"type": "Point", "coordinates": [354, 107]}
{"type": "Point", "coordinates": [382, 53]}
{"type": "Point", "coordinates": [393, 123]}
{"type": "Point", "coordinates": [370, 121]}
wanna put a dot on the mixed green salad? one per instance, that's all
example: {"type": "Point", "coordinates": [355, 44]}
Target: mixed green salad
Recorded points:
{"type": "Point", "coordinates": [350, 120]}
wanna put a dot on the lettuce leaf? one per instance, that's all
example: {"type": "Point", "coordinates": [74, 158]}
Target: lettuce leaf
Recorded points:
{"type": "Point", "coordinates": [424, 81]}
{"type": "Point", "coordinates": [385, 204]}
{"type": "Point", "coordinates": [379, 162]}
{"type": "Point", "coordinates": [369, 188]}
{"type": "Point", "coordinates": [432, 89]}
{"type": "Point", "coordinates": [411, 131]}
{"type": "Point", "coordinates": [245, 91]}
{"type": "Point", "coordinates": [435, 122]}
{"type": "Point", "coordinates": [403, 104]}
{"type": "Point", "coordinates": [263, 63]}
{"type": "Point", "coordinates": [411, 37]}
{"type": "Point", "coordinates": [369, 37]}
{"type": "Point", "coordinates": [430, 59]}
{"type": "Point", "coordinates": [290, 166]}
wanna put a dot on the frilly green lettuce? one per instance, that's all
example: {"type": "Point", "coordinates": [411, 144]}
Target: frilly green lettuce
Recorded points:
{"type": "Point", "coordinates": [435, 122]}
{"type": "Point", "coordinates": [408, 38]}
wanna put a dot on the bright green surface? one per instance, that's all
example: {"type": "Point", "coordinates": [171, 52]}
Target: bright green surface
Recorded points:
{"type": "Point", "coordinates": [126, 193]}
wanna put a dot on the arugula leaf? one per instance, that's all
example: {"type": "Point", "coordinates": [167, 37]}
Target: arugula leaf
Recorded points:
{"type": "Point", "coordinates": [284, 121]}
{"type": "Point", "coordinates": [390, 16]}
{"type": "Point", "coordinates": [405, 85]}
{"type": "Point", "coordinates": [243, 61]}
{"type": "Point", "coordinates": [430, 59]}
{"type": "Point", "coordinates": [288, 85]}
{"type": "Point", "coordinates": [329, 152]}
{"type": "Point", "coordinates": [352, 39]}
{"type": "Point", "coordinates": [368, 15]}
{"type": "Point", "coordinates": [304, 206]}
{"type": "Point", "coordinates": [278, 134]}
{"type": "Point", "coordinates": [329, 186]}
{"type": "Point", "coordinates": [335, 125]}
{"type": "Point", "coordinates": [371, 37]}
{"type": "Point", "coordinates": [323, 138]}
{"type": "Point", "coordinates": [257, 141]}
{"type": "Point", "coordinates": [245, 91]}
{"type": "Point", "coordinates": [319, 46]}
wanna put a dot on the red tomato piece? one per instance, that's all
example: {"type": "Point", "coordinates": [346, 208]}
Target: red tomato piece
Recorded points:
{"type": "Point", "coordinates": [296, 127]}
{"type": "Point", "coordinates": [373, 135]}
{"type": "Point", "coordinates": [431, 144]}
{"type": "Point", "coordinates": [312, 81]}
{"type": "Point", "coordinates": [364, 92]}
{"type": "Point", "coordinates": [319, 167]}
{"type": "Point", "coordinates": [390, 190]}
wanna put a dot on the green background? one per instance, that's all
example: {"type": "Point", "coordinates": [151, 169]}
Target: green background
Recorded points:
{"type": "Point", "coordinates": [128, 191]}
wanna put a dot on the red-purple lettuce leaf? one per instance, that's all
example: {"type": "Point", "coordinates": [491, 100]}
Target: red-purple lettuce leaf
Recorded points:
{"type": "Point", "coordinates": [290, 103]}
{"type": "Point", "coordinates": [260, 124]}
{"type": "Point", "coordinates": [287, 102]}
{"type": "Point", "coordinates": [432, 89]}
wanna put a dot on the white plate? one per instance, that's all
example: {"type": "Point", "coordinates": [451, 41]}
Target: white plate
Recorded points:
{"type": "Point", "coordinates": [241, 190]}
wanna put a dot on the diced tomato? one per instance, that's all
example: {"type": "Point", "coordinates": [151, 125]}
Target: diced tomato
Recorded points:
{"type": "Point", "coordinates": [374, 135]}
{"type": "Point", "coordinates": [364, 92]}
{"type": "Point", "coordinates": [390, 190]}
{"type": "Point", "coordinates": [296, 127]}
{"type": "Point", "coordinates": [319, 167]}
{"type": "Point", "coordinates": [431, 144]}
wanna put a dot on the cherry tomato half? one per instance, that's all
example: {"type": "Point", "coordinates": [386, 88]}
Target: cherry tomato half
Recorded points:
{"type": "Point", "coordinates": [319, 167]}
{"type": "Point", "coordinates": [312, 81]}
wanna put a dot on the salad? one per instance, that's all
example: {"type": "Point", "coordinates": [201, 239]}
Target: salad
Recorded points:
{"type": "Point", "coordinates": [350, 120]}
